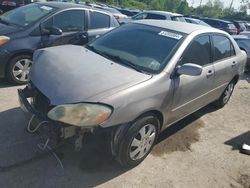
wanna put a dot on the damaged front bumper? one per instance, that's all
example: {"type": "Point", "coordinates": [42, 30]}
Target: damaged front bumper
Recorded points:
{"type": "Point", "coordinates": [48, 129]}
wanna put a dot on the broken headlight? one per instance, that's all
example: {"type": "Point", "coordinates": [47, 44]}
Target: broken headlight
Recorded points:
{"type": "Point", "coordinates": [82, 114]}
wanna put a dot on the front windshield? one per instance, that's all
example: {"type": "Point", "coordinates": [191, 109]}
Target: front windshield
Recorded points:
{"type": "Point", "coordinates": [143, 47]}
{"type": "Point", "coordinates": [26, 15]}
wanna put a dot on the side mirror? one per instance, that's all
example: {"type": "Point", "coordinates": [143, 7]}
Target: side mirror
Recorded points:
{"type": "Point", "coordinates": [190, 69]}
{"type": "Point", "coordinates": [52, 31]}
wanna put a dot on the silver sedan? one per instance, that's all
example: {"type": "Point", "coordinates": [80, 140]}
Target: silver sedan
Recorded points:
{"type": "Point", "coordinates": [133, 82]}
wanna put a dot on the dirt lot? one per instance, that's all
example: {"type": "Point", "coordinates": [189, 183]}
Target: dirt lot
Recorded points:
{"type": "Point", "coordinates": [200, 151]}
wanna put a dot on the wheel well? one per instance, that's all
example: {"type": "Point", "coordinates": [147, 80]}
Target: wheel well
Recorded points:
{"type": "Point", "coordinates": [157, 113]}
{"type": "Point", "coordinates": [235, 79]}
{"type": "Point", "coordinates": [243, 49]}
{"type": "Point", "coordinates": [21, 53]}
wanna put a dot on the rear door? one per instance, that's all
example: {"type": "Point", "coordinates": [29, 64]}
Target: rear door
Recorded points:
{"type": "Point", "coordinates": [98, 24]}
{"type": "Point", "coordinates": [72, 23]}
{"type": "Point", "coordinates": [225, 62]}
{"type": "Point", "coordinates": [193, 92]}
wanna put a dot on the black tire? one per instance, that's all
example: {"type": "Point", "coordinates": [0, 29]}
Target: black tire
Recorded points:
{"type": "Point", "coordinates": [124, 136]}
{"type": "Point", "coordinates": [11, 66]}
{"type": "Point", "coordinates": [221, 102]}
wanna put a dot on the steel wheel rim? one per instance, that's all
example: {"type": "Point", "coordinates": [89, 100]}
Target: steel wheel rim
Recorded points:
{"type": "Point", "coordinates": [228, 92]}
{"type": "Point", "coordinates": [21, 69]}
{"type": "Point", "coordinates": [142, 142]}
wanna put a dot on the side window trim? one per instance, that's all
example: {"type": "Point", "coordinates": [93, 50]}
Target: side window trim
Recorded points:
{"type": "Point", "coordinates": [213, 48]}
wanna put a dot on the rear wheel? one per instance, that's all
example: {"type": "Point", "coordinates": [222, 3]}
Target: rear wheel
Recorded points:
{"type": "Point", "coordinates": [226, 95]}
{"type": "Point", "coordinates": [132, 143]}
{"type": "Point", "coordinates": [18, 69]}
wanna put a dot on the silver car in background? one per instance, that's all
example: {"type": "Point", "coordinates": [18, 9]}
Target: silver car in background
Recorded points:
{"type": "Point", "coordinates": [132, 82]}
{"type": "Point", "coordinates": [154, 15]}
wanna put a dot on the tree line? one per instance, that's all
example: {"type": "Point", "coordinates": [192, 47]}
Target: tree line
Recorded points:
{"type": "Point", "coordinates": [213, 8]}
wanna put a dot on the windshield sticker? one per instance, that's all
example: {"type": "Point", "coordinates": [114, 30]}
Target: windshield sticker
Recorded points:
{"type": "Point", "coordinates": [171, 35]}
{"type": "Point", "coordinates": [46, 8]}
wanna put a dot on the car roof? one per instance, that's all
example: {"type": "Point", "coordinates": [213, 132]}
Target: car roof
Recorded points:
{"type": "Point", "coordinates": [162, 12]}
{"type": "Point", "coordinates": [181, 27]}
{"type": "Point", "coordinates": [219, 20]}
{"type": "Point", "coordinates": [65, 5]}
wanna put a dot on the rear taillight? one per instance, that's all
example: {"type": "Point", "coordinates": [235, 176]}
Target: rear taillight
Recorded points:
{"type": "Point", "coordinates": [238, 31]}
{"type": "Point", "coordinates": [116, 17]}
{"type": "Point", "coordinates": [8, 3]}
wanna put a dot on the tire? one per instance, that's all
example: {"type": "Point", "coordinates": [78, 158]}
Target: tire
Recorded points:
{"type": "Point", "coordinates": [18, 69]}
{"type": "Point", "coordinates": [226, 95]}
{"type": "Point", "coordinates": [132, 134]}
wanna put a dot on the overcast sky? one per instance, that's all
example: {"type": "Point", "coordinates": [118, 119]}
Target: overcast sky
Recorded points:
{"type": "Point", "coordinates": [196, 3]}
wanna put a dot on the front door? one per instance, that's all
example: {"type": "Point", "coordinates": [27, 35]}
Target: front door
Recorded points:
{"type": "Point", "coordinates": [193, 92]}
{"type": "Point", "coordinates": [72, 24]}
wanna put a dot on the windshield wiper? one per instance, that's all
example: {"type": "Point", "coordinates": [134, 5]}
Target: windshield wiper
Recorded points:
{"type": "Point", "coordinates": [9, 23]}
{"type": "Point", "coordinates": [115, 58]}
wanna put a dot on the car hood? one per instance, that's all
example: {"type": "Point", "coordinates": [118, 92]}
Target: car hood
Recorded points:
{"type": "Point", "coordinates": [72, 74]}
{"type": "Point", "coordinates": [7, 29]}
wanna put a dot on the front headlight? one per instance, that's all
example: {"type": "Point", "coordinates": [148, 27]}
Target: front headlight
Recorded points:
{"type": "Point", "coordinates": [82, 114]}
{"type": "Point", "coordinates": [3, 40]}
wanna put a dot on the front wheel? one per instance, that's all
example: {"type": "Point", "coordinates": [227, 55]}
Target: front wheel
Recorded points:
{"type": "Point", "coordinates": [132, 143]}
{"type": "Point", "coordinates": [18, 69]}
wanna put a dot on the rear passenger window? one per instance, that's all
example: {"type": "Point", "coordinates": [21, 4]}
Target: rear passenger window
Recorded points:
{"type": "Point", "coordinates": [99, 20]}
{"type": "Point", "coordinates": [155, 17]}
{"type": "Point", "coordinates": [223, 48]}
{"type": "Point", "coordinates": [198, 52]}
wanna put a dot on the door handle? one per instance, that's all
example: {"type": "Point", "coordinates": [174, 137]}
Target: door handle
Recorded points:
{"type": "Point", "coordinates": [234, 64]}
{"type": "Point", "coordinates": [210, 73]}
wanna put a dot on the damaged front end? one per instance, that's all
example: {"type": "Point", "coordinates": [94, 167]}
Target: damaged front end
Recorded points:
{"type": "Point", "coordinates": [58, 123]}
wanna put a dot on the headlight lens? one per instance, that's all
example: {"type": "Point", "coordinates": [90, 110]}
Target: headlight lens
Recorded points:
{"type": "Point", "coordinates": [3, 40]}
{"type": "Point", "coordinates": [82, 114]}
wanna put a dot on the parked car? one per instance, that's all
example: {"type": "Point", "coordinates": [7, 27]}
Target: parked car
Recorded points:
{"type": "Point", "coordinates": [132, 82]}
{"type": "Point", "coordinates": [247, 26]}
{"type": "Point", "coordinates": [245, 33]}
{"type": "Point", "coordinates": [128, 12]}
{"type": "Point", "coordinates": [155, 15]}
{"type": "Point", "coordinates": [221, 24]}
{"type": "Point", "coordinates": [40, 25]}
{"type": "Point", "coordinates": [118, 15]}
{"type": "Point", "coordinates": [195, 21]}
{"type": "Point", "coordinates": [7, 5]}
{"type": "Point", "coordinates": [244, 44]}
{"type": "Point", "coordinates": [240, 25]}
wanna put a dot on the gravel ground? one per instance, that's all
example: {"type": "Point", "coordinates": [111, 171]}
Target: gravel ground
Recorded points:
{"type": "Point", "coordinates": [200, 151]}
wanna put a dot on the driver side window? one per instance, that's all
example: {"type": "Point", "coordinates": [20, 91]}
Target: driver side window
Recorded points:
{"type": "Point", "coordinates": [67, 21]}
{"type": "Point", "coordinates": [198, 52]}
